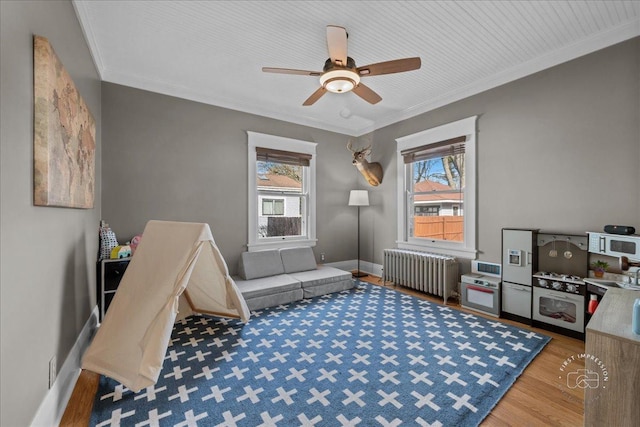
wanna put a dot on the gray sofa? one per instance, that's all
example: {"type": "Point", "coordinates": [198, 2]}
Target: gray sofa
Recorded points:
{"type": "Point", "coordinates": [274, 277]}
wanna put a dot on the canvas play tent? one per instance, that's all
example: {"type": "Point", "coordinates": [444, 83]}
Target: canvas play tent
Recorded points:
{"type": "Point", "coordinates": [176, 267]}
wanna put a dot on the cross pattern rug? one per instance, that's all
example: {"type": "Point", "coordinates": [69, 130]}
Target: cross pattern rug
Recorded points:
{"type": "Point", "coordinates": [370, 356]}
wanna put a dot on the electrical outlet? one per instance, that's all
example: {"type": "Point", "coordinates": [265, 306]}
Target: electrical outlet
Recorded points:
{"type": "Point", "coordinates": [322, 256]}
{"type": "Point", "coordinates": [53, 370]}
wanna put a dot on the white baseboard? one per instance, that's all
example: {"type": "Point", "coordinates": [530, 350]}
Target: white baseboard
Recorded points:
{"type": "Point", "coordinates": [55, 402]}
{"type": "Point", "coordinates": [365, 266]}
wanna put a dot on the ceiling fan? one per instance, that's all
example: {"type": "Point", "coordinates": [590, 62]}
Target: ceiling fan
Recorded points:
{"type": "Point", "coordinates": [340, 73]}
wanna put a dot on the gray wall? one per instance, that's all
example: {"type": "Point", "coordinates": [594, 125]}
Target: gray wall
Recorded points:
{"type": "Point", "coordinates": [47, 272]}
{"type": "Point", "coordinates": [172, 159]}
{"type": "Point", "coordinates": [558, 150]}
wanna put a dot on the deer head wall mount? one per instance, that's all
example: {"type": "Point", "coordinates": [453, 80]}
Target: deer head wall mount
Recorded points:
{"type": "Point", "coordinates": [372, 171]}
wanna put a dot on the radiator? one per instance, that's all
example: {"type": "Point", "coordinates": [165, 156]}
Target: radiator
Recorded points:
{"type": "Point", "coordinates": [426, 272]}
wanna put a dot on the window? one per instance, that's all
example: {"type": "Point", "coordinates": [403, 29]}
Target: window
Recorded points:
{"type": "Point", "coordinates": [272, 207]}
{"type": "Point", "coordinates": [427, 210]}
{"type": "Point", "coordinates": [281, 192]}
{"type": "Point", "coordinates": [436, 189]}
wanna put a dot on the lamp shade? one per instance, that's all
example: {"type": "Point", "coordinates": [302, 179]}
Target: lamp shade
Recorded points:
{"type": "Point", "coordinates": [359, 198]}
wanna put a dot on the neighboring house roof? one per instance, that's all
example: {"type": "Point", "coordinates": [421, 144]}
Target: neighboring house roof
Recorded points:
{"type": "Point", "coordinates": [427, 186]}
{"type": "Point", "coordinates": [279, 182]}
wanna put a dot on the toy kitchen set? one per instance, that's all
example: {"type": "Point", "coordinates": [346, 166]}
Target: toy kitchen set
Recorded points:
{"type": "Point", "coordinates": [545, 276]}
{"type": "Point", "coordinates": [623, 250]}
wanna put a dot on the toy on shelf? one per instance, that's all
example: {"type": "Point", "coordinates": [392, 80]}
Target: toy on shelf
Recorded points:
{"type": "Point", "coordinates": [121, 251]}
{"type": "Point", "coordinates": [135, 242]}
{"type": "Point", "coordinates": [107, 241]}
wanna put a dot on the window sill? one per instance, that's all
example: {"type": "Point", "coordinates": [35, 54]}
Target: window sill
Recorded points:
{"type": "Point", "coordinates": [458, 252]}
{"type": "Point", "coordinates": [279, 244]}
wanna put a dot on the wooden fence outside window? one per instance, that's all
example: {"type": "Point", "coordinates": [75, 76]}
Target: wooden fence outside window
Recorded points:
{"type": "Point", "coordinates": [439, 227]}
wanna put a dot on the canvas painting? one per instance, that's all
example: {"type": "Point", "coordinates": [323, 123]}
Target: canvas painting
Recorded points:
{"type": "Point", "coordinates": [64, 136]}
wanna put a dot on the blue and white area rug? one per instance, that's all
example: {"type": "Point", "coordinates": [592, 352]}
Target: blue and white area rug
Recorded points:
{"type": "Point", "coordinates": [370, 356]}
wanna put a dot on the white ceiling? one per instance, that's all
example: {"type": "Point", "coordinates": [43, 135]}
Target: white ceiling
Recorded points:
{"type": "Point", "coordinates": [213, 51]}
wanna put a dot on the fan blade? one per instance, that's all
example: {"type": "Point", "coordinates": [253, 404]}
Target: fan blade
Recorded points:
{"type": "Point", "coordinates": [337, 45]}
{"type": "Point", "coordinates": [315, 96]}
{"type": "Point", "coordinates": [389, 67]}
{"type": "Point", "coordinates": [367, 94]}
{"type": "Point", "coordinates": [290, 71]}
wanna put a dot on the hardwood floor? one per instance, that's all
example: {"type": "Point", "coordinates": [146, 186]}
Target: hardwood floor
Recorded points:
{"type": "Point", "coordinates": [536, 399]}
{"type": "Point", "coordinates": [80, 404]}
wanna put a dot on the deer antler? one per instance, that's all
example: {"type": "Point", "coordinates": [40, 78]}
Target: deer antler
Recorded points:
{"type": "Point", "coordinates": [349, 147]}
{"type": "Point", "coordinates": [361, 150]}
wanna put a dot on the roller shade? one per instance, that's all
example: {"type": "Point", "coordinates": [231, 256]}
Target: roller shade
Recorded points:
{"type": "Point", "coordinates": [449, 147]}
{"type": "Point", "coordinates": [280, 156]}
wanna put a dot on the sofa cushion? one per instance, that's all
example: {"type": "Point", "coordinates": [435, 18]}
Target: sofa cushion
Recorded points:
{"type": "Point", "coordinates": [321, 276]}
{"type": "Point", "coordinates": [267, 285]}
{"type": "Point", "coordinates": [316, 291]}
{"type": "Point", "coordinates": [254, 265]}
{"type": "Point", "coordinates": [298, 259]}
{"type": "Point", "coordinates": [274, 300]}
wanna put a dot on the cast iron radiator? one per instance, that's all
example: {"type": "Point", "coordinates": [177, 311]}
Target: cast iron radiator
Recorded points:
{"type": "Point", "coordinates": [426, 272]}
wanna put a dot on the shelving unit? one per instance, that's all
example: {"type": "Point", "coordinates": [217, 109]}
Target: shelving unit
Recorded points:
{"type": "Point", "coordinates": [110, 272]}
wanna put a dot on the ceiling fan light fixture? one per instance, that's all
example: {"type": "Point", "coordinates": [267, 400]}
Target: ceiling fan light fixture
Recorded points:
{"type": "Point", "coordinates": [339, 81]}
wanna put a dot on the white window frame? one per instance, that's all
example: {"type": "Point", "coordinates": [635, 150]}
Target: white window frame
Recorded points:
{"type": "Point", "coordinates": [256, 139]}
{"type": "Point", "coordinates": [467, 248]}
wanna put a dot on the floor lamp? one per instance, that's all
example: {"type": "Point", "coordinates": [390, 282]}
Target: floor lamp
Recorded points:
{"type": "Point", "coordinates": [359, 198]}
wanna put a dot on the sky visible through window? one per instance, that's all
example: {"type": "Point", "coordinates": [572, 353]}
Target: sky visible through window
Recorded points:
{"type": "Point", "coordinates": [433, 170]}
